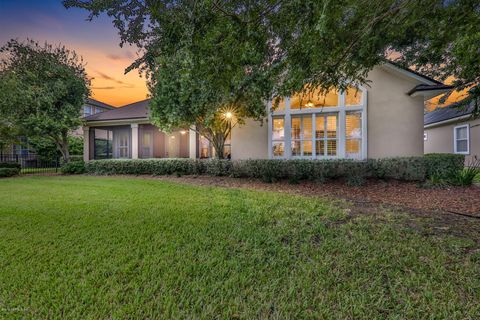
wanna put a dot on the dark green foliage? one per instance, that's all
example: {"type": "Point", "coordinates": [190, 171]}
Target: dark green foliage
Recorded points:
{"type": "Point", "coordinates": [466, 176]}
{"type": "Point", "coordinates": [42, 91]}
{"type": "Point", "coordinates": [204, 53]}
{"type": "Point", "coordinates": [443, 164]}
{"type": "Point", "coordinates": [75, 146]}
{"type": "Point", "coordinates": [215, 167]}
{"type": "Point", "coordinates": [9, 172]}
{"type": "Point", "coordinates": [401, 168]}
{"type": "Point", "coordinates": [148, 166]}
{"type": "Point", "coordinates": [44, 148]}
{"type": "Point", "coordinates": [10, 165]}
{"type": "Point", "coordinates": [352, 171]}
{"type": "Point", "coordinates": [73, 167]}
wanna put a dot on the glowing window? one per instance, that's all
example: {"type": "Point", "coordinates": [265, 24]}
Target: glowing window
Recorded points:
{"type": "Point", "coordinates": [314, 100]}
{"type": "Point", "coordinates": [353, 97]}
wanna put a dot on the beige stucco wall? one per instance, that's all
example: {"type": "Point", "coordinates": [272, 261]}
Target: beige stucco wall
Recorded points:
{"type": "Point", "coordinates": [250, 141]}
{"type": "Point", "coordinates": [395, 120]}
{"type": "Point", "coordinates": [440, 138]}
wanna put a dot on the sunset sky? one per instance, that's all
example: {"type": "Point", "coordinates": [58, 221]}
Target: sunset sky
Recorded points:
{"type": "Point", "coordinates": [96, 41]}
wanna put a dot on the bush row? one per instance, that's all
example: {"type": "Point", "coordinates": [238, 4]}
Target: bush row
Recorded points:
{"type": "Point", "coordinates": [10, 165]}
{"type": "Point", "coordinates": [73, 167]}
{"type": "Point", "coordinates": [355, 172]}
{"type": "Point", "coordinates": [9, 172]}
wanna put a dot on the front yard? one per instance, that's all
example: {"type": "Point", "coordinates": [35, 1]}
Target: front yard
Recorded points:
{"type": "Point", "coordinates": [116, 247]}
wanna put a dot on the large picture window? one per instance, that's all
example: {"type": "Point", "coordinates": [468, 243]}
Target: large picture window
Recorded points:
{"type": "Point", "coordinates": [319, 125]}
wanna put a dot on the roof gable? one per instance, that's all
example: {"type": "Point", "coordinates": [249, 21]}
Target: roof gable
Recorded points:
{"type": "Point", "coordinates": [137, 110]}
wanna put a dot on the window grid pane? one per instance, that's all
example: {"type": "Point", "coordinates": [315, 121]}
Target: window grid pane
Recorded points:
{"type": "Point", "coordinates": [353, 134]}
{"type": "Point", "coordinates": [326, 144]}
{"type": "Point", "coordinates": [278, 136]}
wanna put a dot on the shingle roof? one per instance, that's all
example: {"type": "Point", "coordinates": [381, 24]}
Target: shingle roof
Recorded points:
{"type": "Point", "coordinates": [97, 103]}
{"type": "Point", "coordinates": [450, 112]}
{"type": "Point", "coordinates": [137, 110]}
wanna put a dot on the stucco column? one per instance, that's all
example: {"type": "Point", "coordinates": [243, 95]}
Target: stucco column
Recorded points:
{"type": "Point", "coordinates": [134, 140]}
{"type": "Point", "coordinates": [192, 143]}
{"type": "Point", "coordinates": [86, 143]}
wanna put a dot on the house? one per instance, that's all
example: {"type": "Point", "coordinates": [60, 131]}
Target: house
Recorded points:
{"type": "Point", "coordinates": [91, 107]}
{"type": "Point", "coordinates": [452, 130]}
{"type": "Point", "coordinates": [383, 119]}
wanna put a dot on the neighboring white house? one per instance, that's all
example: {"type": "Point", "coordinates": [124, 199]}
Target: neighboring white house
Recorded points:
{"type": "Point", "coordinates": [452, 130]}
{"type": "Point", "coordinates": [384, 119]}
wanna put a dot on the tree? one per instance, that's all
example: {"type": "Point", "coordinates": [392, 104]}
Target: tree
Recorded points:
{"type": "Point", "coordinates": [204, 56]}
{"type": "Point", "coordinates": [202, 65]}
{"type": "Point", "coordinates": [8, 135]}
{"type": "Point", "coordinates": [42, 90]}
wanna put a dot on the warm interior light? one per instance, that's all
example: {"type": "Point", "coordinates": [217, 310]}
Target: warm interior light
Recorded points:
{"type": "Point", "coordinates": [183, 132]}
{"type": "Point", "coordinates": [172, 137]}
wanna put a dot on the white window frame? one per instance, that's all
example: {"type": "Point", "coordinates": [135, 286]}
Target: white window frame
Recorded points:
{"type": "Point", "coordinates": [271, 141]}
{"type": "Point", "coordinates": [467, 139]}
{"type": "Point", "coordinates": [340, 110]}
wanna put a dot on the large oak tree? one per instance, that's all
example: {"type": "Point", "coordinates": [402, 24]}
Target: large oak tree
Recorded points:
{"type": "Point", "coordinates": [206, 56]}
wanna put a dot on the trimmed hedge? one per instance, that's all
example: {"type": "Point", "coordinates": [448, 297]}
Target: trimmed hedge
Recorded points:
{"type": "Point", "coordinates": [443, 164]}
{"type": "Point", "coordinates": [10, 165]}
{"type": "Point", "coordinates": [353, 171]}
{"type": "Point", "coordinates": [75, 167]}
{"type": "Point", "coordinates": [9, 172]}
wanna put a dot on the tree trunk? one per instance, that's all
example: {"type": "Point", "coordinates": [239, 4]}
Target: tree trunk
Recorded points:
{"type": "Point", "coordinates": [62, 145]}
{"type": "Point", "coordinates": [218, 145]}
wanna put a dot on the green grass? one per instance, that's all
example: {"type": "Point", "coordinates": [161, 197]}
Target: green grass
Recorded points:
{"type": "Point", "coordinates": [97, 248]}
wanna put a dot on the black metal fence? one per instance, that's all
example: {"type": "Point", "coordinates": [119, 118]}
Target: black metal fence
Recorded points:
{"type": "Point", "coordinates": [32, 163]}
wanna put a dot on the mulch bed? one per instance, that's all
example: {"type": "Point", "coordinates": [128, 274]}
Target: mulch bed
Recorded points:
{"type": "Point", "coordinates": [459, 200]}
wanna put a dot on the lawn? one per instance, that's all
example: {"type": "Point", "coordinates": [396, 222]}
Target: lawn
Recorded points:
{"type": "Point", "coordinates": [97, 247]}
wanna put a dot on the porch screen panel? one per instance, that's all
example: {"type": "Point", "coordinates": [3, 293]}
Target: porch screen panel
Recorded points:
{"type": "Point", "coordinates": [102, 144]}
{"type": "Point", "coordinates": [121, 140]}
{"type": "Point", "coordinates": [147, 144]}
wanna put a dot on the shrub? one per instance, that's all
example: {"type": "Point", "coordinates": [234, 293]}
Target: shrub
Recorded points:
{"type": "Point", "coordinates": [353, 171]}
{"type": "Point", "coordinates": [76, 167]}
{"type": "Point", "coordinates": [147, 166]}
{"type": "Point", "coordinates": [466, 176]}
{"type": "Point", "coordinates": [216, 167]}
{"type": "Point", "coordinates": [401, 168]}
{"type": "Point", "coordinates": [443, 164]}
{"type": "Point", "coordinates": [10, 165]}
{"type": "Point", "coordinates": [9, 172]}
